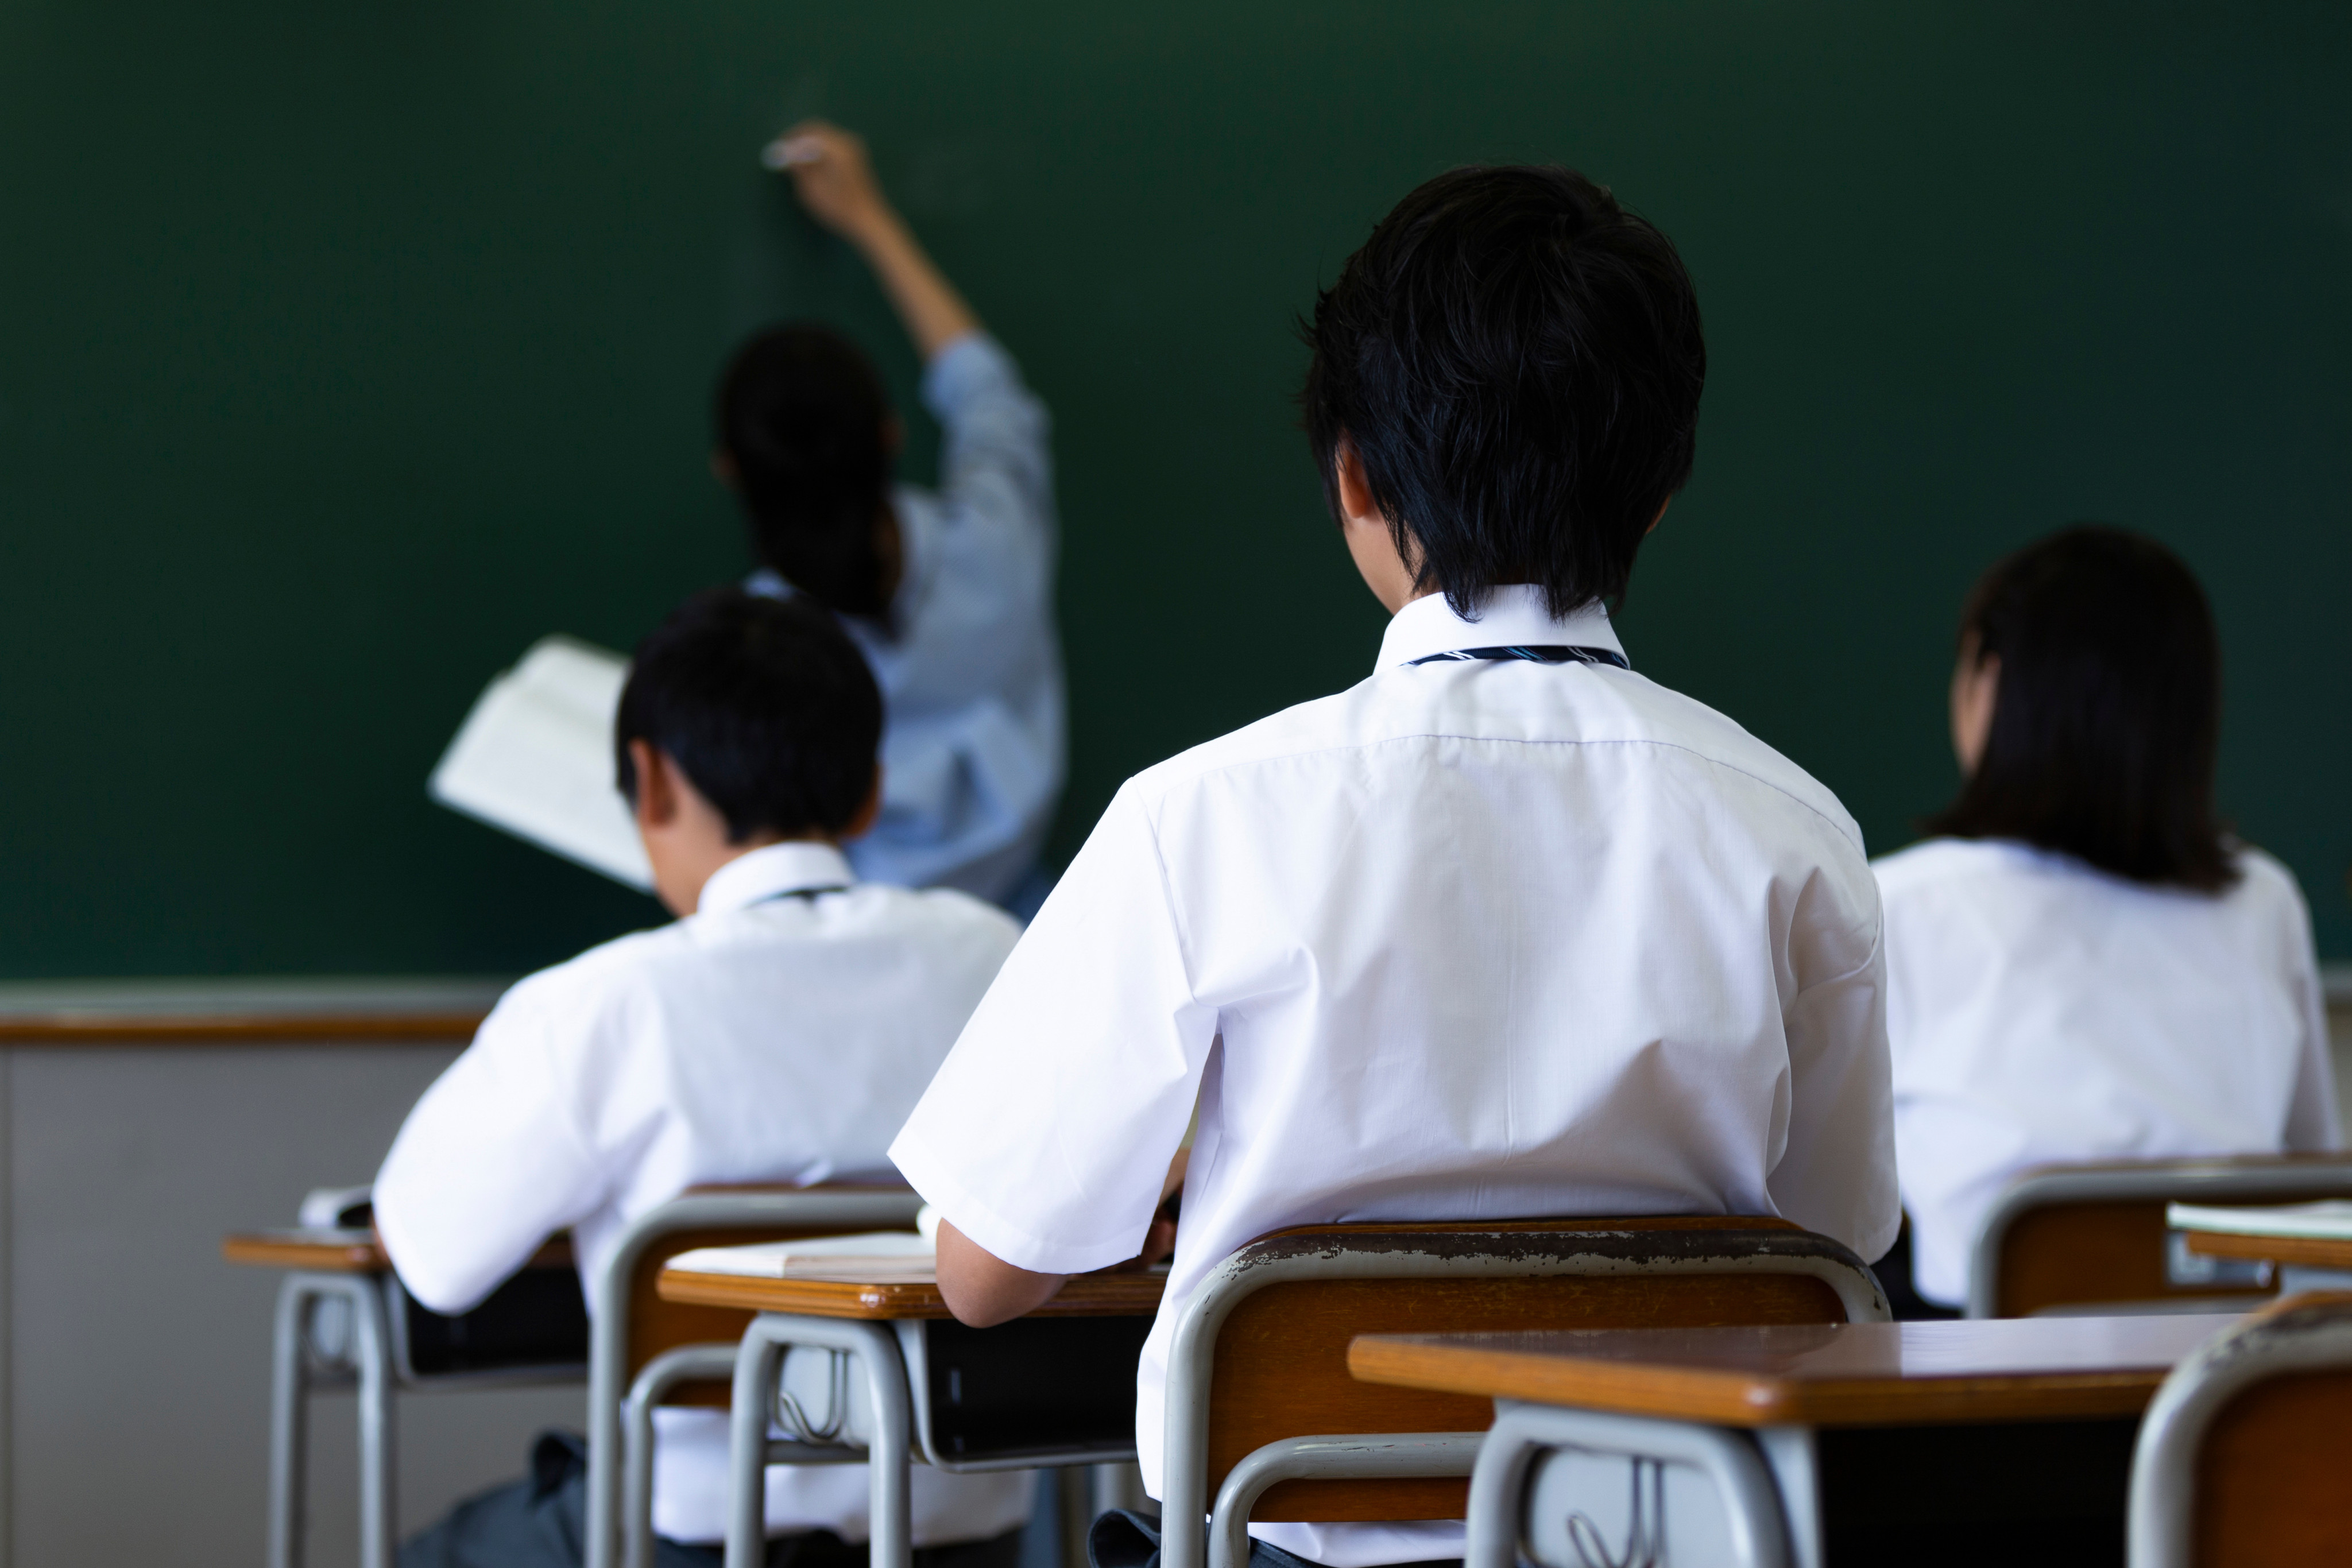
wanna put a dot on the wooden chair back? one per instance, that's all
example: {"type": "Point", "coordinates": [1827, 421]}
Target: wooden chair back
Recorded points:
{"type": "Point", "coordinates": [656, 1326]}
{"type": "Point", "coordinates": [1281, 1356]}
{"type": "Point", "coordinates": [2241, 1460]}
{"type": "Point", "coordinates": [2087, 1235]}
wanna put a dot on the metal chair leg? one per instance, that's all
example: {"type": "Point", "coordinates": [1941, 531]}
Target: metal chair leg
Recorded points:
{"type": "Point", "coordinates": [664, 1372]}
{"type": "Point", "coordinates": [379, 1431]}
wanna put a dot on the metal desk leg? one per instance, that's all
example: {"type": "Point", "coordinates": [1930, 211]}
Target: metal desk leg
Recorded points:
{"type": "Point", "coordinates": [288, 1402]}
{"type": "Point", "coordinates": [889, 1449]}
{"type": "Point", "coordinates": [1743, 1483]}
{"type": "Point", "coordinates": [369, 1355]}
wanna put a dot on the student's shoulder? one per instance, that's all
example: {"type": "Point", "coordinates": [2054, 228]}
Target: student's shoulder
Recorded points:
{"type": "Point", "coordinates": [1640, 711]}
{"type": "Point", "coordinates": [942, 915]}
{"type": "Point", "coordinates": [1933, 862]}
{"type": "Point", "coordinates": [600, 972]}
{"type": "Point", "coordinates": [2270, 892]}
{"type": "Point", "coordinates": [1610, 710]}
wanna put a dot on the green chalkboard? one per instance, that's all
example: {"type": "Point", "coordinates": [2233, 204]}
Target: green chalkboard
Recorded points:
{"type": "Point", "coordinates": [346, 348]}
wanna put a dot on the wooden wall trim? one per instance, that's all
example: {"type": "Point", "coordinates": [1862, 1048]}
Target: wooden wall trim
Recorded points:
{"type": "Point", "coordinates": [391, 1011]}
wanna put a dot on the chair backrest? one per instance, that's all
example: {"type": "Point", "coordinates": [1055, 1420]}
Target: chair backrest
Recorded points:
{"type": "Point", "coordinates": [2090, 1236]}
{"type": "Point", "coordinates": [2241, 1457]}
{"type": "Point", "coordinates": [1261, 1353]}
{"type": "Point", "coordinates": [733, 1216]}
{"type": "Point", "coordinates": [634, 1324]}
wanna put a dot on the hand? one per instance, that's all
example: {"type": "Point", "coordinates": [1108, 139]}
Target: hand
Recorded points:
{"type": "Point", "coordinates": [831, 177]}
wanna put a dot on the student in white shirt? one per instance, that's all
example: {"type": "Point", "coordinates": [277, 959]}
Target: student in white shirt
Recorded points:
{"type": "Point", "coordinates": [2083, 964]}
{"type": "Point", "coordinates": [778, 1032]}
{"type": "Point", "coordinates": [1506, 929]}
{"type": "Point", "coordinates": [948, 594]}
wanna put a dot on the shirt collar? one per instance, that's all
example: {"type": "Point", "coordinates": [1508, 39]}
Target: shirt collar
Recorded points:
{"type": "Point", "coordinates": [773, 870]}
{"type": "Point", "coordinates": [1514, 614]}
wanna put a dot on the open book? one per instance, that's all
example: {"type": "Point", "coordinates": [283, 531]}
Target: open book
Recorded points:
{"type": "Point", "coordinates": [535, 759]}
{"type": "Point", "coordinates": [890, 1250]}
{"type": "Point", "coordinates": [2330, 1219]}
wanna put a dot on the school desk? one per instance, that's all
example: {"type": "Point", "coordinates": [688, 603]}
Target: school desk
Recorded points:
{"type": "Point", "coordinates": [1802, 1445]}
{"type": "Point", "coordinates": [2303, 1262]}
{"type": "Point", "coordinates": [1055, 1387]}
{"type": "Point", "coordinates": [342, 1319]}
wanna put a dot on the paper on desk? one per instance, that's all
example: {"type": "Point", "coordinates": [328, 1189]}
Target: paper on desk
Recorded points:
{"type": "Point", "coordinates": [535, 759]}
{"type": "Point", "coordinates": [768, 1260]}
{"type": "Point", "coordinates": [2327, 1220]}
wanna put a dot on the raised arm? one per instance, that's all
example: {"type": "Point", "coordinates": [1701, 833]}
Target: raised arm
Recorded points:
{"type": "Point", "coordinates": [835, 183]}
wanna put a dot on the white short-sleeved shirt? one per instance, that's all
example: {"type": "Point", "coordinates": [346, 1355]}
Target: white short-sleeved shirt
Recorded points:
{"type": "Point", "coordinates": [2041, 1011]}
{"type": "Point", "coordinates": [780, 1033]}
{"type": "Point", "coordinates": [1469, 940]}
{"type": "Point", "coordinates": [970, 670]}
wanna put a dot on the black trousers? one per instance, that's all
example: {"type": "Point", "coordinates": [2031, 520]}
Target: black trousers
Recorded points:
{"type": "Point", "coordinates": [541, 1521]}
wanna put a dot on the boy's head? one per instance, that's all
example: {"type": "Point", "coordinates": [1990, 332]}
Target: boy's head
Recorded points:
{"type": "Point", "coordinates": [806, 437]}
{"type": "Point", "coordinates": [1514, 363]}
{"type": "Point", "coordinates": [746, 721]}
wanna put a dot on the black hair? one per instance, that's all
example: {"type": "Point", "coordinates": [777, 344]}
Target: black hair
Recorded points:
{"type": "Point", "coordinates": [2107, 714]}
{"type": "Point", "coordinates": [802, 416]}
{"type": "Point", "coordinates": [1517, 360]}
{"type": "Point", "coordinates": [765, 704]}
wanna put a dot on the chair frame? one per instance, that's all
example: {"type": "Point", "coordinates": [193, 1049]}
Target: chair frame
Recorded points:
{"type": "Point", "coordinates": [2155, 1181]}
{"type": "Point", "coordinates": [1197, 1535]}
{"type": "Point", "coordinates": [2305, 1334]}
{"type": "Point", "coordinates": [619, 1522]}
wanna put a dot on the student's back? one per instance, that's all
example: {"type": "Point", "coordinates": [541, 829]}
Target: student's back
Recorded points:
{"type": "Point", "coordinates": [2083, 965]}
{"type": "Point", "coordinates": [1504, 930]}
{"type": "Point", "coordinates": [778, 1032]}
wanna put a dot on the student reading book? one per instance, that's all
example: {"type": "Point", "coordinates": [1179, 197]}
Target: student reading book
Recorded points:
{"type": "Point", "coordinates": [2083, 964]}
{"type": "Point", "coordinates": [778, 1031]}
{"type": "Point", "coordinates": [1507, 929]}
{"type": "Point", "coordinates": [949, 593]}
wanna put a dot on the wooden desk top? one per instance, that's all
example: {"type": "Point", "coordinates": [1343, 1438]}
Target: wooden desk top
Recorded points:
{"type": "Point", "coordinates": [345, 1251]}
{"type": "Point", "coordinates": [2304, 1251]}
{"type": "Point", "coordinates": [1830, 1374]}
{"type": "Point", "coordinates": [885, 1288]}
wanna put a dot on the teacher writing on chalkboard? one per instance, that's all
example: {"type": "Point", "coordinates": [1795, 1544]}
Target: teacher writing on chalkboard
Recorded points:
{"type": "Point", "coordinates": [949, 593]}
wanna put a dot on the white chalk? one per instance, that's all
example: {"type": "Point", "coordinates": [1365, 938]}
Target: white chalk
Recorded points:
{"type": "Point", "coordinates": [789, 152]}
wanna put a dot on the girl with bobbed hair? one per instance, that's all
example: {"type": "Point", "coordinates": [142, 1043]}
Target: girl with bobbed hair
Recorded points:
{"type": "Point", "coordinates": [2082, 963]}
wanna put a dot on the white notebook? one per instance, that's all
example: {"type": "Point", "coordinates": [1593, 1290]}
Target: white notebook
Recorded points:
{"type": "Point", "coordinates": [535, 759]}
{"type": "Point", "coordinates": [768, 1260]}
{"type": "Point", "coordinates": [2327, 1220]}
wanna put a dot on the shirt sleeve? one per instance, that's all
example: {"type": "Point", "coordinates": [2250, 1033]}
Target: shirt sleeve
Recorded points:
{"type": "Point", "coordinates": [491, 1162]}
{"type": "Point", "coordinates": [1836, 1174]}
{"type": "Point", "coordinates": [2312, 1122]}
{"type": "Point", "coordinates": [1048, 1131]}
{"type": "Point", "coordinates": [996, 469]}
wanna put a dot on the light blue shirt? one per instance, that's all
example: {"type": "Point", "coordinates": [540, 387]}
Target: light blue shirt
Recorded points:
{"type": "Point", "coordinates": [974, 748]}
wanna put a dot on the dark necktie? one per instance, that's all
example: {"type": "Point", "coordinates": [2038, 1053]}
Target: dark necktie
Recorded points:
{"type": "Point", "coordinates": [1544, 653]}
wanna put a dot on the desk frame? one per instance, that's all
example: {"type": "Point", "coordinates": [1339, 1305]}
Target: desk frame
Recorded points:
{"type": "Point", "coordinates": [375, 1301]}
{"type": "Point", "coordinates": [891, 1355]}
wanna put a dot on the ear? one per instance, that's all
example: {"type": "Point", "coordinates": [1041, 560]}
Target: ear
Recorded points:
{"type": "Point", "coordinates": [893, 435]}
{"type": "Point", "coordinates": [1661, 516]}
{"type": "Point", "coordinates": [868, 813]}
{"type": "Point", "coordinates": [1356, 503]}
{"type": "Point", "coordinates": [723, 469]}
{"type": "Point", "coordinates": [657, 805]}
